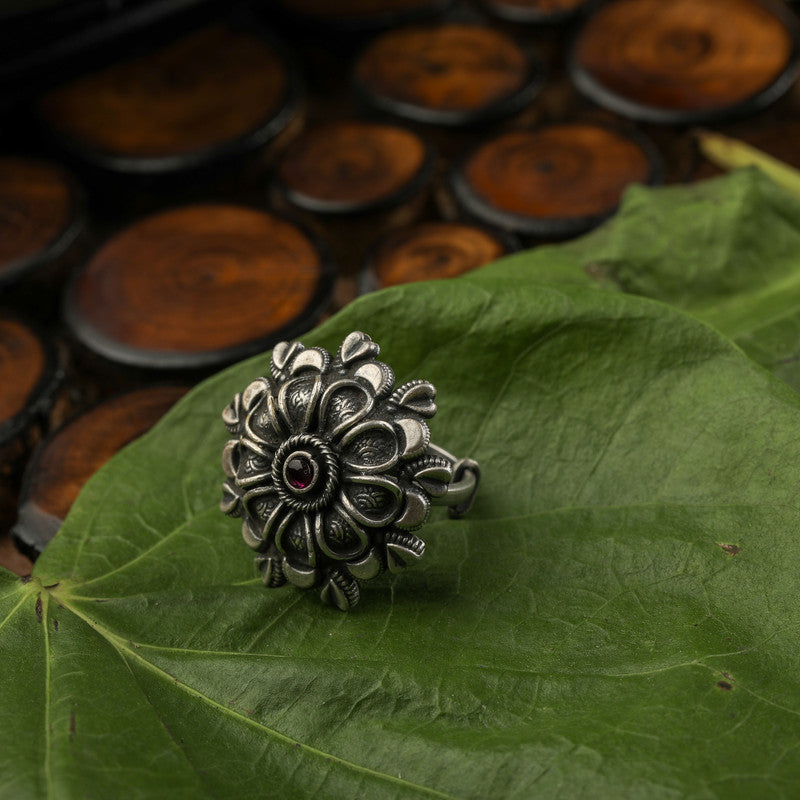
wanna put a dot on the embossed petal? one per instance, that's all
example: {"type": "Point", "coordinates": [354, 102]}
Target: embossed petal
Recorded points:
{"type": "Point", "coordinates": [370, 447]}
{"type": "Point", "coordinates": [338, 535]}
{"type": "Point", "coordinates": [372, 500]}
{"type": "Point", "coordinates": [343, 404]}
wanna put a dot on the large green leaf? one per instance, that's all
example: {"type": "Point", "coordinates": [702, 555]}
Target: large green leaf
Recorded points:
{"type": "Point", "coordinates": [617, 617]}
{"type": "Point", "coordinates": [727, 250]}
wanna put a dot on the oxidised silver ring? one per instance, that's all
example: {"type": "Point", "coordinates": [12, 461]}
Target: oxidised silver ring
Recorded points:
{"type": "Point", "coordinates": [331, 468]}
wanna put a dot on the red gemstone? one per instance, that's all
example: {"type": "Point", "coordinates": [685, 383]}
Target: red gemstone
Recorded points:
{"type": "Point", "coordinates": [299, 472]}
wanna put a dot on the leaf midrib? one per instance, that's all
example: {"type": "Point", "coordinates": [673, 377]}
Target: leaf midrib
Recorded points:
{"type": "Point", "coordinates": [126, 651]}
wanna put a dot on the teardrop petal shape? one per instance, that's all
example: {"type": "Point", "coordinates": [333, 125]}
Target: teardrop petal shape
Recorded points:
{"type": "Point", "coordinates": [416, 511]}
{"type": "Point", "coordinates": [372, 500]}
{"type": "Point", "coordinates": [282, 355]}
{"type": "Point", "coordinates": [416, 396]}
{"type": "Point", "coordinates": [416, 436]}
{"type": "Point", "coordinates": [367, 567]}
{"type": "Point", "coordinates": [297, 402]}
{"type": "Point", "coordinates": [230, 502]}
{"type": "Point", "coordinates": [357, 346]}
{"type": "Point", "coordinates": [338, 535]}
{"type": "Point", "coordinates": [271, 570]}
{"type": "Point", "coordinates": [302, 577]}
{"type": "Point", "coordinates": [344, 403]}
{"type": "Point", "coordinates": [370, 447]}
{"type": "Point", "coordinates": [293, 538]}
{"type": "Point", "coordinates": [254, 392]}
{"type": "Point", "coordinates": [315, 359]}
{"type": "Point", "coordinates": [378, 375]}
{"type": "Point", "coordinates": [403, 550]}
{"type": "Point", "coordinates": [340, 590]}
{"type": "Point", "coordinates": [232, 413]}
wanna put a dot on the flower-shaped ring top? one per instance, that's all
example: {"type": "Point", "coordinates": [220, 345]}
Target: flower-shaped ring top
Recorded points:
{"type": "Point", "coordinates": [331, 468]}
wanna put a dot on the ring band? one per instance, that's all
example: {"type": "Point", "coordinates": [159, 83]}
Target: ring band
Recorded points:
{"type": "Point", "coordinates": [331, 468]}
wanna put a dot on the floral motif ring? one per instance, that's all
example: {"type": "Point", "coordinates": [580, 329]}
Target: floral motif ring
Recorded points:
{"type": "Point", "coordinates": [331, 468]}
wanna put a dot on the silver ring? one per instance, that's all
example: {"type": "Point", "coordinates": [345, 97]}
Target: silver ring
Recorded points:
{"type": "Point", "coordinates": [331, 468]}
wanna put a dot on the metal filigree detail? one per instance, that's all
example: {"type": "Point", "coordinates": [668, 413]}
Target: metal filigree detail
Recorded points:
{"type": "Point", "coordinates": [329, 467]}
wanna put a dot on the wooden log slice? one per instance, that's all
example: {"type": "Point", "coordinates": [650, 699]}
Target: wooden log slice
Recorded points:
{"type": "Point", "coordinates": [555, 181]}
{"type": "Point", "coordinates": [199, 286]}
{"type": "Point", "coordinates": [430, 251]}
{"type": "Point", "coordinates": [213, 93]}
{"type": "Point", "coordinates": [29, 376]}
{"type": "Point", "coordinates": [685, 61]}
{"type": "Point", "coordinates": [536, 12]}
{"type": "Point", "coordinates": [352, 167]}
{"type": "Point", "coordinates": [364, 14]}
{"type": "Point", "coordinates": [40, 215]}
{"type": "Point", "coordinates": [68, 458]}
{"type": "Point", "coordinates": [453, 74]}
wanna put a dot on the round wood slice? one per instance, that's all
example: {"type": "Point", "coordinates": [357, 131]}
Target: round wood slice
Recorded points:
{"type": "Point", "coordinates": [199, 286]}
{"type": "Point", "coordinates": [210, 94]}
{"type": "Point", "coordinates": [68, 458]}
{"type": "Point", "coordinates": [453, 74]}
{"type": "Point", "coordinates": [685, 61]}
{"type": "Point", "coordinates": [430, 251]}
{"type": "Point", "coordinates": [555, 181]}
{"type": "Point", "coordinates": [364, 14]}
{"type": "Point", "coordinates": [537, 12]}
{"type": "Point", "coordinates": [352, 167]}
{"type": "Point", "coordinates": [40, 215]}
{"type": "Point", "coordinates": [29, 376]}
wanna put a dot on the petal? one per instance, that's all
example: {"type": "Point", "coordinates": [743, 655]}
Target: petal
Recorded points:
{"type": "Point", "coordinates": [315, 359]}
{"type": "Point", "coordinates": [231, 500]}
{"type": "Point", "coordinates": [432, 474]}
{"type": "Point", "coordinates": [340, 590]}
{"type": "Point", "coordinates": [302, 577]}
{"type": "Point", "coordinates": [416, 511]}
{"type": "Point", "coordinates": [402, 550]}
{"type": "Point", "coordinates": [372, 500]}
{"type": "Point", "coordinates": [370, 447]}
{"type": "Point", "coordinates": [263, 424]}
{"type": "Point", "coordinates": [252, 466]}
{"type": "Point", "coordinates": [377, 375]}
{"type": "Point", "coordinates": [415, 436]}
{"type": "Point", "coordinates": [293, 537]}
{"type": "Point", "coordinates": [251, 534]}
{"type": "Point", "coordinates": [416, 396]}
{"type": "Point", "coordinates": [254, 392]}
{"type": "Point", "coordinates": [343, 404]}
{"type": "Point", "coordinates": [271, 569]}
{"type": "Point", "coordinates": [338, 535]}
{"type": "Point", "coordinates": [297, 402]}
{"type": "Point", "coordinates": [282, 356]}
{"type": "Point", "coordinates": [261, 505]}
{"type": "Point", "coordinates": [232, 414]}
{"type": "Point", "coordinates": [366, 567]}
{"type": "Point", "coordinates": [357, 346]}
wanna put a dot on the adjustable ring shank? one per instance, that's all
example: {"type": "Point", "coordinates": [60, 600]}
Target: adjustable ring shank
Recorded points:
{"type": "Point", "coordinates": [464, 484]}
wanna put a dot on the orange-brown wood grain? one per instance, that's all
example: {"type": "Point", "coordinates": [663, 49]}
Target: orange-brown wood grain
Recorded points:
{"type": "Point", "coordinates": [433, 250]}
{"type": "Point", "coordinates": [207, 88]}
{"type": "Point", "coordinates": [351, 166]}
{"type": "Point", "coordinates": [83, 445]}
{"type": "Point", "coordinates": [453, 67]}
{"type": "Point", "coordinates": [561, 171]}
{"type": "Point", "coordinates": [683, 54]}
{"type": "Point", "coordinates": [198, 279]}
{"type": "Point", "coordinates": [23, 365]}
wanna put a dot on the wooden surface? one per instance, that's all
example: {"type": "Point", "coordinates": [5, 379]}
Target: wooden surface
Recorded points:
{"type": "Point", "coordinates": [432, 250]}
{"type": "Point", "coordinates": [359, 9]}
{"type": "Point", "coordinates": [23, 367]}
{"type": "Point", "coordinates": [452, 73]}
{"type": "Point", "coordinates": [352, 166]}
{"type": "Point", "coordinates": [74, 453]}
{"type": "Point", "coordinates": [556, 178]}
{"type": "Point", "coordinates": [205, 90]}
{"type": "Point", "coordinates": [683, 55]}
{"type": "Point", "coordinates": [200, 283]}
{"type": "Point", "coordinates": [38, 213]}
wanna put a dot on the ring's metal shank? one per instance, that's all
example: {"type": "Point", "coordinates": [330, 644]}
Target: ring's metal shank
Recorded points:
{"type": "Point", "coordinates": [463, 486]}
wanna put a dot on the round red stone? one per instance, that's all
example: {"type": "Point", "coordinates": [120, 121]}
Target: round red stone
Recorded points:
{"type": "Point", "coordinates": [299, 472]}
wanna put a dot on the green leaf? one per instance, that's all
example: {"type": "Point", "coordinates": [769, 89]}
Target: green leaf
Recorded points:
{"type": "Point", "coordinates": [617, 616]}
{"type": "Point", "coordinates": [726, 250]}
